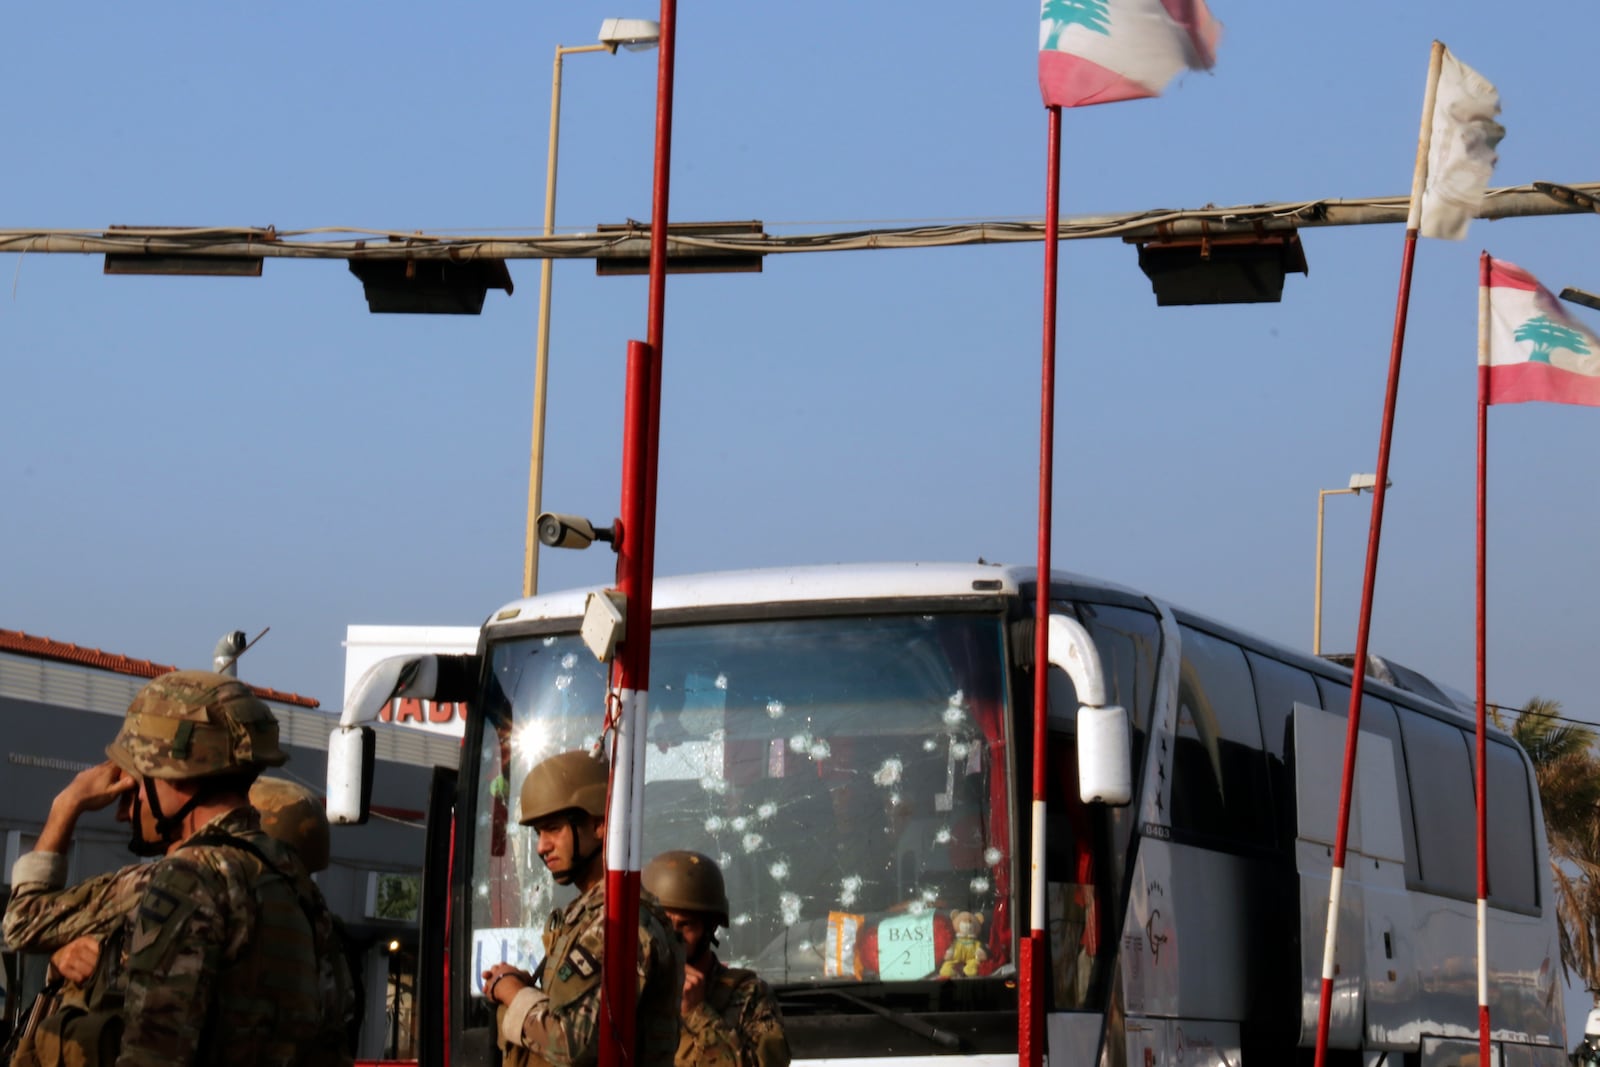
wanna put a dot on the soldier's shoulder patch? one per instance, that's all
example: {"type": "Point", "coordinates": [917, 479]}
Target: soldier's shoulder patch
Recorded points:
{"type": "Point", "coordinates": [582, 962]}
{"type": "Point", "coordinates": [158, 905]}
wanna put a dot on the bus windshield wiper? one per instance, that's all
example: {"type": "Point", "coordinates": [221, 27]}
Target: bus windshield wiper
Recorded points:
{"type": "Point", "coordinates": [942, 1038]}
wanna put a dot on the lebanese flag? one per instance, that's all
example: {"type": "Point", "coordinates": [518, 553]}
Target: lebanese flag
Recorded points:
{"type": "Point", "coordinates": [1535, 350]}
{"type": "Point", "coordinates": [1101, 51]}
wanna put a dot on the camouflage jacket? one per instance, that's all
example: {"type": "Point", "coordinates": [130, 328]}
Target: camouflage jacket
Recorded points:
{"type": "Point", "coordinates": [72, 1023]}
{"type": "Point", "coordinates": [737, 1025]}
{"type": "Point", "coordinates": [557, 1021]}
{"type": "Point", "coordinates": [42, 916]}
{"type": "Point", "coordinates": [229, 957]}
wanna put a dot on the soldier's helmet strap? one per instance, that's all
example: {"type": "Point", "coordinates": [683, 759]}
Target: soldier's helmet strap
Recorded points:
{"type": "Point", "coordinates": [167, 825]}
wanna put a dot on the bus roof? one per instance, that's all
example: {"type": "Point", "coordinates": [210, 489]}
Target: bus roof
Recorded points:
{"type": "Point", "coordinates": [807, 584]}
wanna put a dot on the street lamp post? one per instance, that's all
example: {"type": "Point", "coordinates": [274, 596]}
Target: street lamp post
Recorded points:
{"type": "Point", "coordinates": [1359, 483]}
{"type": "Point", "coordinates": [635, 35]}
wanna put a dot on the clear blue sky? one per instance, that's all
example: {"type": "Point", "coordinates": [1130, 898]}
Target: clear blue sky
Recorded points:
{"type": "Point", "coordinates": [184, 457]}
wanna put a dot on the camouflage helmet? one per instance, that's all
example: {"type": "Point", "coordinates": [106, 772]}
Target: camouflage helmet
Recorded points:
{"type": "Point", "coordinates": [688, 881]}
{"type": "Point", "coordinates": [294, 815]}
{"type": "Point", "coordinates": [196, 724]}
{"type": "Point", "coordinates": [563, 782]}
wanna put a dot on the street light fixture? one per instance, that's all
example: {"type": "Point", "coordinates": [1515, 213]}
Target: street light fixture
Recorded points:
{"type": "Point", "coordinates": [1580, 296]}
{"type": "Point", "coordinates": [1564, 194]}
{"type": "Point", "coordinates": [1359, 483]}
{"type": "Point", "coordinates": [634, 35]}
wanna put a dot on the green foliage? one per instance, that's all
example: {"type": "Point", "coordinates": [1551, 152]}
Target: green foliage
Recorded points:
{"type": "Point", "coordinates": [1568, 774]}
{"type": "Point", "coordinates": [398, 897]}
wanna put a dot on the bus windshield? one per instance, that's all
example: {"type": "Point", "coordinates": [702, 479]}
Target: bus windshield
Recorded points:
{"type": "Point", "coordinates": [849, 774]}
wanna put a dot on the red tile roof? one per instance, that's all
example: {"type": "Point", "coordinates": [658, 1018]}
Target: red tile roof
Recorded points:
{"type": "Point", "coordinates": [44, 648]}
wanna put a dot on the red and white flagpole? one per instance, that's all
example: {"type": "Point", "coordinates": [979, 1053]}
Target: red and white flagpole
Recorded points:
{"type": "Point", "coordinates": [1369, 575]}
{"type": "Point", "coordinates": [1482, 745]}
{"type": "Point", "coordinates": [635, 578]}
{"type": "Point", "coordinates": [1031, 987]}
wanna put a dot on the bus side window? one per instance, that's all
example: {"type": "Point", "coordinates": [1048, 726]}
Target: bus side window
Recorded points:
{"type": "Point", "coordinates": [1219, 774]}
{"type": "Point", "coordinates": [1278, 688]}
{"type": "Point", "coordinates": [1379, 717]}
{"type": "Point", "coordinates": [1074, 898]}
{"type": "Point", "coordinates": [1443, 801]}
{"type": "Point", "coordinates": [1513, 863]}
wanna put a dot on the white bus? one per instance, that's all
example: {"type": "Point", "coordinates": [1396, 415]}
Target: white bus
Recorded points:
{"type": "Point", "coordinates": [853, 744]}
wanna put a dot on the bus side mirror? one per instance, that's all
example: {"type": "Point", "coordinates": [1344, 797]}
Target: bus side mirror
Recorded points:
{"type": "Point", "coordinates": [352, 753]}
{"type": "Point", "coordinates": [1105, 756]}
{"type": "Point", "coordinates": [352, 747]}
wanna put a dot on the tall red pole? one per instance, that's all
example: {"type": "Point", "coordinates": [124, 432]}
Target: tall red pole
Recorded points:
{"type": "Point", "coordinates": [1364, 627]}
{"type": "Point", "coordinates": [635, 579]}
{"type": "Point", "coordinates": [1483, 689]}
{"type": "Point", "coordinates": [1370, 574]}
{"type": "Point", "coordinates": [1031, 988]}
{"type": "Point", "coordinates": [620, 992]}
{"type": "Point", "coordinates": [658, 278]}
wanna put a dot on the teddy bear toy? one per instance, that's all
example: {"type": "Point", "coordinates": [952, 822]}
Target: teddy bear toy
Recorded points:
{"type": "Point", "coordinates": [966, 952]}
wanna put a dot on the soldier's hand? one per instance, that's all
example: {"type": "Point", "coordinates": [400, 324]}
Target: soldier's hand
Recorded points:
{"type": "Point", "coordinates": [694, 988]}
{"type": "Point", "coordinates": [502, 983]}
{"type": "Point", "coordinates": [95, 788]}
{"type": "Point", "coordinates": [76, 960]}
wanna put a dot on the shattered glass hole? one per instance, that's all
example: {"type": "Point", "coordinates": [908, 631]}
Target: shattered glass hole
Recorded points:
{"type": "Point", "coordinates": [767, 810]}
{"type": "Point", "coordinates": [752, 842]}
{"type": "Point", "coordinates": [942, 837]}
{"type": "Point", "coordinates": [789, 906]}
{"type": "Point", "coordinates": [569, 661]}
{"type": "Point", "coordinates": [779, 870]}
{"type": "Point", "coordinates": [775, 709]}
{"type": "Point", "coordinates": [820, 750]}
{"type": "Point", "coordinates": [992, 856]}
{"type": "Point", "coordinates": [721, 682]}
{"type": "Point", "coordinates": [889, 773]}
{"type": "Point", "coordinates": [563, 682]}
{"type": "Point", "coordinates": [980, 884]}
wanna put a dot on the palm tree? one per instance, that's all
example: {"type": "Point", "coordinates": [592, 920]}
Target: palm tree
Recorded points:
{"type": "Point", "coordinates": [1568, 773]}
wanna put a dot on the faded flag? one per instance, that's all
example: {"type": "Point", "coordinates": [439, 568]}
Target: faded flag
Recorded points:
{"type": "Point", "coordinates": [1101, 51]}
{"type": "Point", "coordinates": [1535, 350]}
{"type": "Point", "coordinates": [1461, 154]}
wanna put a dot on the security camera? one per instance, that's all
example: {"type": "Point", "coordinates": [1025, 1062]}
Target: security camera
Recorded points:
{"type": "Point", "coordinates": [570, 531]}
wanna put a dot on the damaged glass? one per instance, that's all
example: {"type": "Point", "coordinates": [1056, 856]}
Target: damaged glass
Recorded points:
{"type": "Point", "coordinates": [847, 773]}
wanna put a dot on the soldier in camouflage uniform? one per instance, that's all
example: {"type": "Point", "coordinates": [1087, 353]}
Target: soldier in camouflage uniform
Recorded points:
{"type": "Point", "coordinates": [553, 1017]}
{"type": "Point", "coordinates": [296, 816]}
{"type": "Point", "coordinates": [730, 1017]}
{"type": "Point", "coordinates": [70, 923]}
{"type": "Point", "coordinates": [186, 977]}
